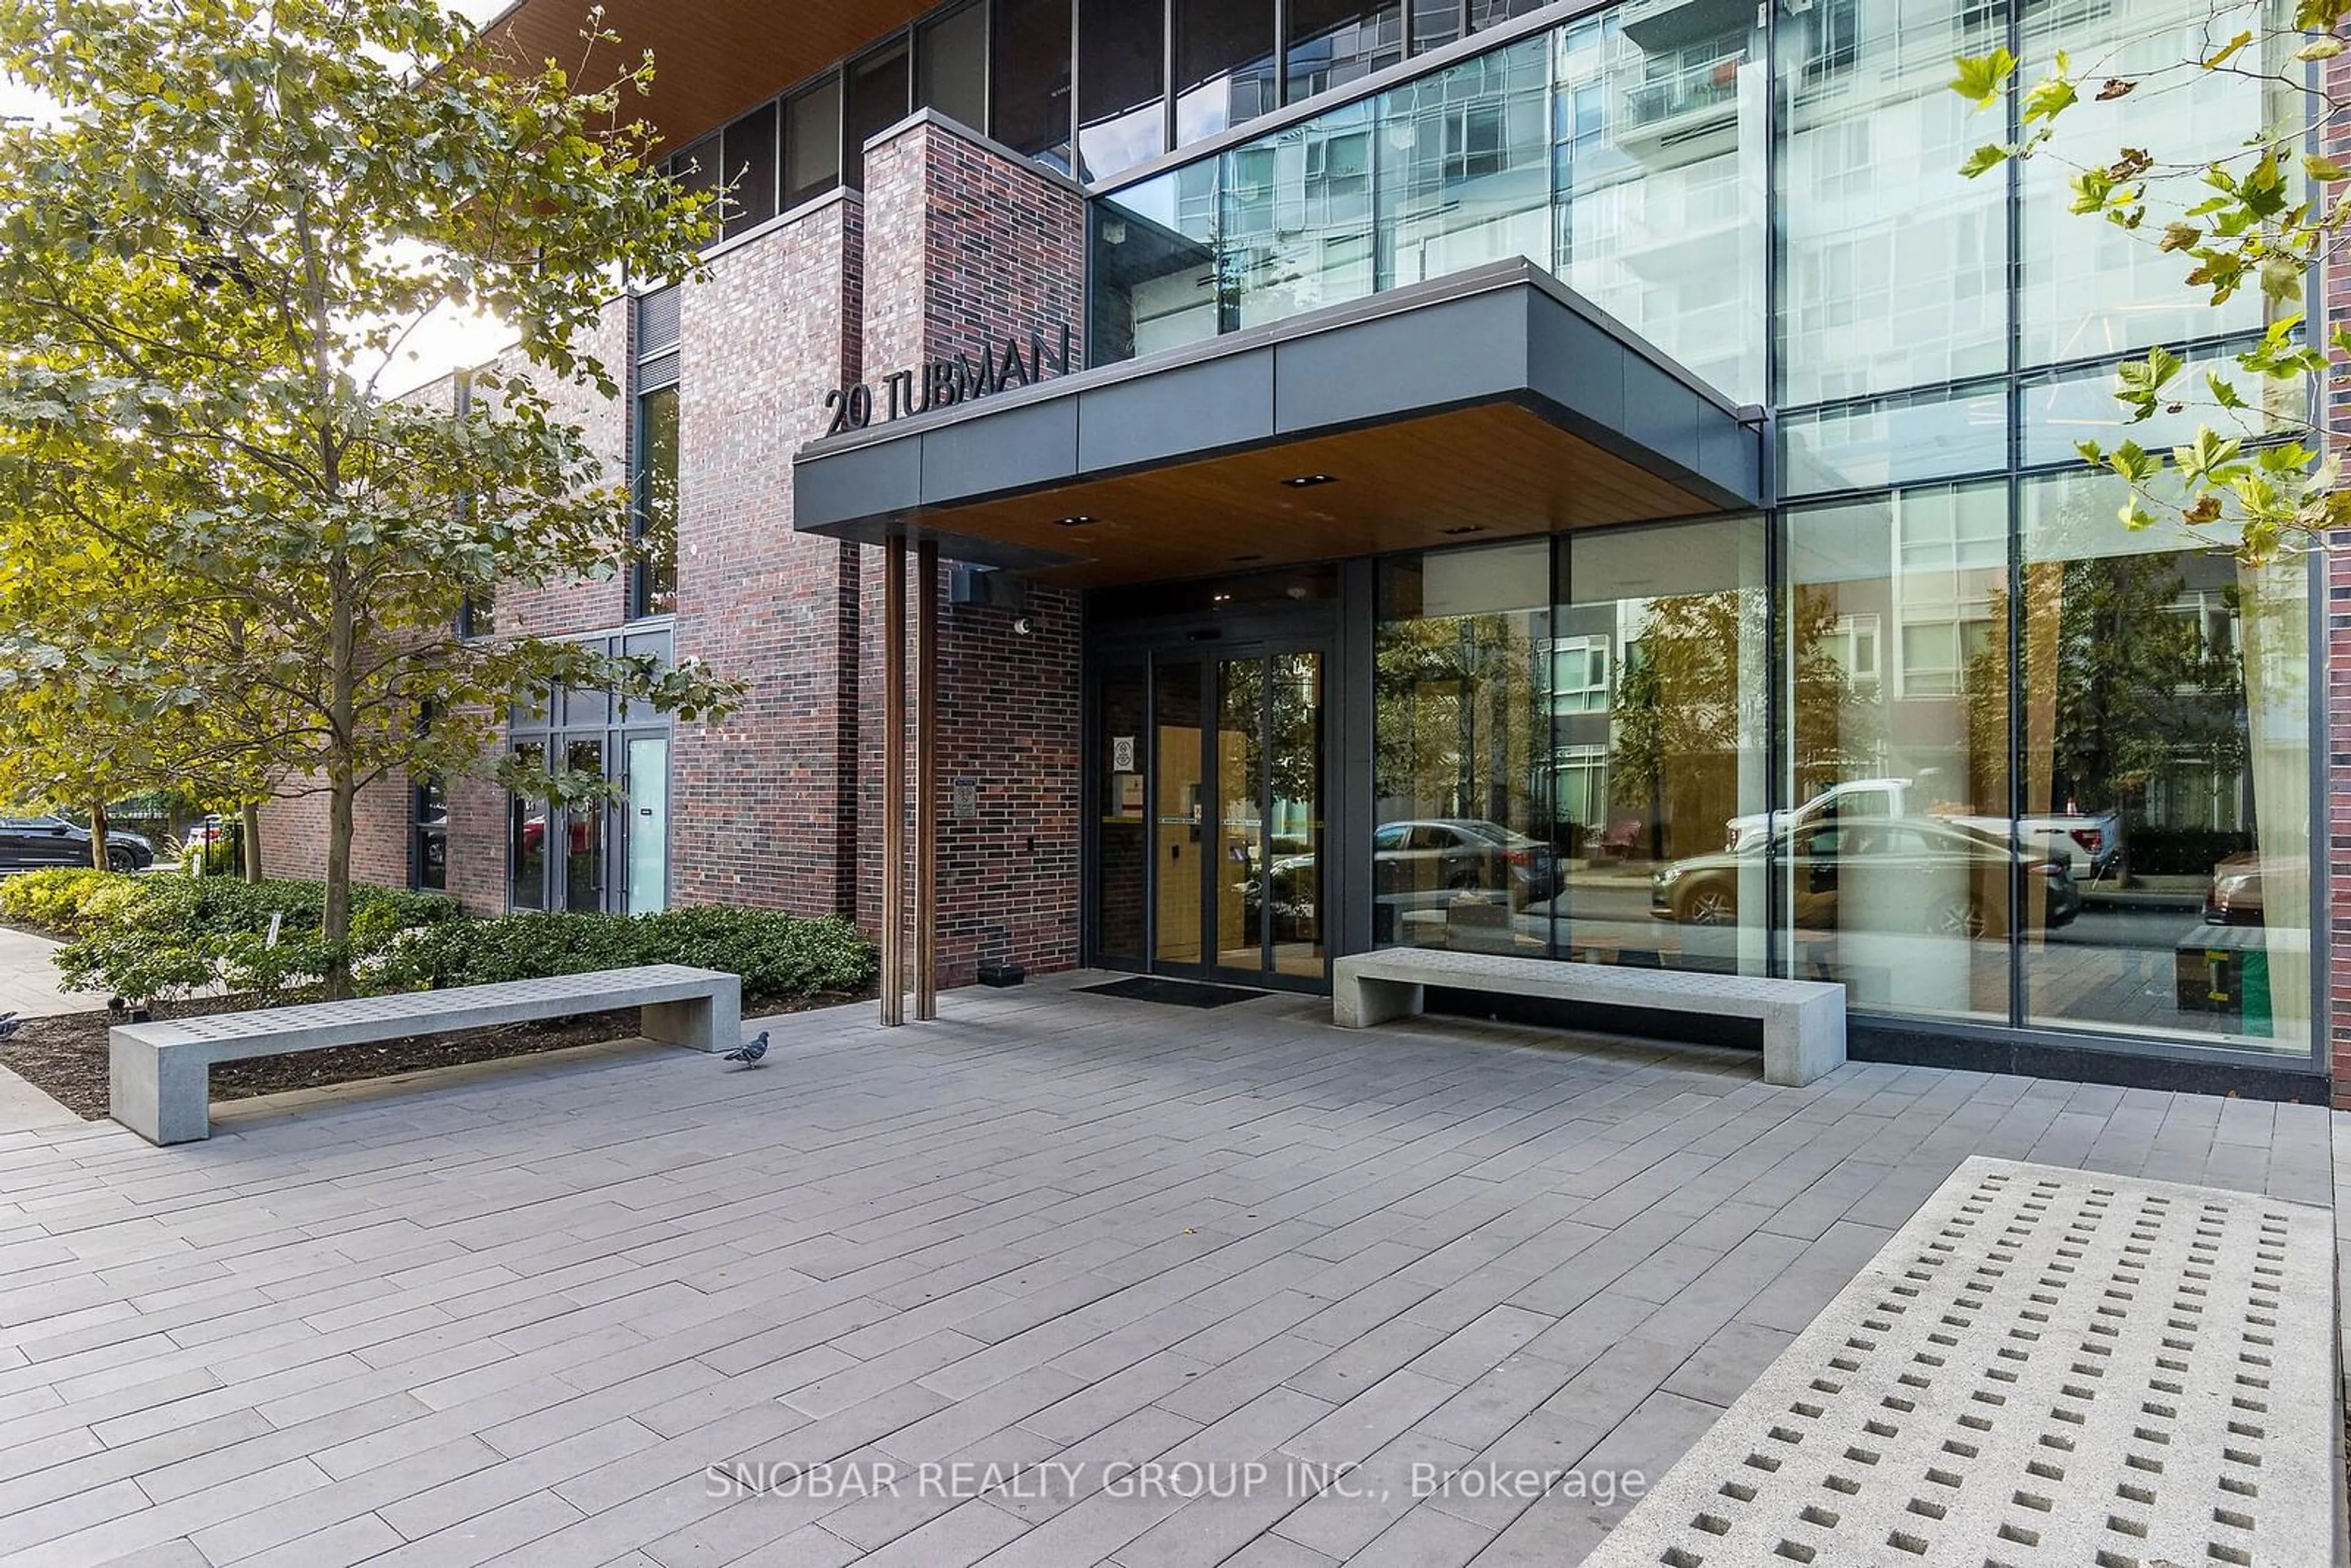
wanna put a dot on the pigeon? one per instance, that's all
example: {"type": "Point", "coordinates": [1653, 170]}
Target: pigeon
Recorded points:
{"type": "Point", "coordinates": [748, 1055]}
{"type": "Point", "coordinates": [9, 1024]}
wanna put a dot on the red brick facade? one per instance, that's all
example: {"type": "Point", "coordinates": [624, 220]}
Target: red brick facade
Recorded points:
{"type": "Point", "coordinates": [763, 807]}
{"type": "Point", "coordinates": [967, 247]}
{"type": "Point", "coordinates": [953, 245]}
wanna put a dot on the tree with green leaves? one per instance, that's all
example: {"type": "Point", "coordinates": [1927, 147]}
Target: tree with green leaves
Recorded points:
{"type": "Point", "coordinates": [210, 258]}
{"type": "Point", "coordinates": [2259, 474]}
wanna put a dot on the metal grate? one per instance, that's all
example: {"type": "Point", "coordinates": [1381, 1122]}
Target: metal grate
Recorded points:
{"type": "Point", "coordinates": [2044, 1367]}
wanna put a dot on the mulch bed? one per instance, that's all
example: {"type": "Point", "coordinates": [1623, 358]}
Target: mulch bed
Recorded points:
{"type": "Point", "coordinates": [66, 1057]}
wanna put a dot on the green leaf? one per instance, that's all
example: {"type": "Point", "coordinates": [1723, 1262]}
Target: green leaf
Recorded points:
{"type": "Point", "coordinates": [2049, 99]}
{"type": "Point", "coordinates": [2224, 392]}
{"type": "Point", "coordinates": [1981, 76]}
{"type": "Point", "coordinates": [1989, 156]}
{"type": "Point", "coordinates": [2323, 169]}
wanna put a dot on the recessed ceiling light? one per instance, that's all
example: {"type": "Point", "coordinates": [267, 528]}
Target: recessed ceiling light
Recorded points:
{"type": "Point", "coordinates": [1077, 522]}
{"type": "Point", "coordinates": [1304, 480]}
{"type": "Point", "coordinates": [1463, 529]}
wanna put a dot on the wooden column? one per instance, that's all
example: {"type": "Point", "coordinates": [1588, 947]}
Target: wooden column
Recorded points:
{"type": "Point", "coordinates": [926, 780]}
{"type": "Point", "coordinates": [894, 784]}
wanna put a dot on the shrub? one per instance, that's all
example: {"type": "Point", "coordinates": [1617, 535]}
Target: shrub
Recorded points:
{"type": "Point", "coordinates": [776, 954]}
{"type": "Point", "coordinates": [149, 936]}
{"type": "Point", "coordinates": [53, 900]}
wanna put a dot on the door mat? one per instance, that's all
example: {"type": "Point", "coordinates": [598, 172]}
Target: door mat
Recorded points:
{"type": "Point", "coordinates": [1175, 993]}
{"type": "Point", "coordinates": [2044, 1367]}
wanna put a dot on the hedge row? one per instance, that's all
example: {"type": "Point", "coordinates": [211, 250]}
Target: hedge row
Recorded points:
{"type": "Point", "coordinates": [779, 956]}
{"type": "Point", "coordinates": [159, 936]}
{"type": "Point", "coordinates": [81, 902]}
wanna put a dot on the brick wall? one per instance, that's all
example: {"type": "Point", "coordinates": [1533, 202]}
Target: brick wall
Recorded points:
{"type": "Point", "coordinates": [294, 835]}
{"type": "Point", "coordinates": [764, 808]}
{"type": "Point", "coordinates": [966, 247]}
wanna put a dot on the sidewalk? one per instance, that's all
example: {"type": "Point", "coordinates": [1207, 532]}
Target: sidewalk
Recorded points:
{"type": "Point", "coordinates": [28, 981]}
{"type": "Point", "coordinates": [517, 1312]}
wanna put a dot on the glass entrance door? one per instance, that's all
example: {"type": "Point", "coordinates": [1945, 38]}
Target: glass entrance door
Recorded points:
{"type": "Point", "coordinates": [1209, 841]}
{"type": "Point", "coordinates": [583, 838]}
{"type": "Point", "coordinates": [1267, 896]}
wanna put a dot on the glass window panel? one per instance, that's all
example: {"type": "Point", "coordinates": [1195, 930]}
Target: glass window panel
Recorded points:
{"type": "Point", "coordinates": [584, 832]}
{"type": "Point", "coordinates": [2062, 412]}
{"type": "Point", "coordinates": [1295, 842]}
{"type": "Point", "coordinates": [750, 166]}
{"type": "Point", "coordinates": [1298, 231]}
{"type": "Point", "coordinates": [1224, 65]}
{"type": "Point", "coordinates": [2090, 287]}
{"type": "Point", "coordinates": [1029, 95]}
{"type": "Point", "coordinates": [657, 502]}
{"type": "Point", "coordinates": [647, 825]}
{"type": "Point", "coordinates": [1669, 629]}
{"type": "Point", "coordinates": [812, 143]}
{"type": "Point", "coordinates": [1660, 186]}
{"type": "Point", "coordinates": [1179, 802]}
{"type": "Point", "coordinates": [878, 86]}
{"type": "Point", "coordinates": [1463, 165]}
{"type": "Point", "coordinates": [1463, 799]}
{"type": "Point", "coordinates": [526, 838]}
{"type": "Point", "coordinates": [2166, 723]}
{"type": "Point", "coordinates": [1435, 24]}
{"type": "Point", "coordinates": [1487, 12]}
{"type": "Point", "coordinates": [1896, 441]}
{"type": "Point", "coordinates": [1157, 280]}
{"type": "Point", "coordinates": [1892, 866]}
{"type": "Point", "coordinates": [1123, 845]}
{"type": "Point", "coordinates": [586, 706]}
{"type": "Point", "coordinates": [1119, 87]}
{"type": "Point", "coordinates": [1333, 42]}
{"type": "Point", "coordinates": [697, 168]}
{"type": "Point", "coordinates": [952, 61]}
{"type": "Point", "coordinates": [1239, 893]}
{"type": "Point", "coordinates": [1894, 269]}
{"type": "Point", "coordinates": [431, 850]}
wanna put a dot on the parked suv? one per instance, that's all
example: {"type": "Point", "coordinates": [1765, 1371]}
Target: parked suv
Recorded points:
{"type": "Point", "coordinates": [2091, 842]}
{"type": "Point", "coordinates": [35, 843]}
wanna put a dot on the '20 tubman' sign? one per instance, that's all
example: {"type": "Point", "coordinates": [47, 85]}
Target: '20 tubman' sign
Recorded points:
{"type": "Point", "coordinates": [942, 383]}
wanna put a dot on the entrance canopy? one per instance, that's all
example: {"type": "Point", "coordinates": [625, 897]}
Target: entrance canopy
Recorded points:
{"type": "Point", "coordinates": [1487, 405]}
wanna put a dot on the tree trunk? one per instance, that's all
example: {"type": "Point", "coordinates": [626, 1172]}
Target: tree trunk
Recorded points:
{"type": "Point", "coordinates": [335, 922]}
{"type": "Point", "coordinates": [250, 838]}
{"type": "Point", "coordinates": [343, 775]}
{"type": "Point", "coordinates": [97, 835]}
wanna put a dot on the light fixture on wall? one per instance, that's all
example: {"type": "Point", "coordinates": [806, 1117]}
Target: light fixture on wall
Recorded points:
{"type": "Point", "coordinates": [1114, 231]}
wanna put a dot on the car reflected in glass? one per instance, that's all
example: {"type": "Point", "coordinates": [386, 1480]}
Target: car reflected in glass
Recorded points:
{"type": "Point", "coordinates": [1955, 880]}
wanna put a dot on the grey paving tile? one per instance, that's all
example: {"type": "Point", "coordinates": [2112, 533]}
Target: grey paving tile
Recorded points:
{"type": "Point", "coordinates": [513, 1313]}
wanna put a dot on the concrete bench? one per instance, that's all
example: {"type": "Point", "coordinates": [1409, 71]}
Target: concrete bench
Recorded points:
{"type": "Point", "coordinates": [1803, 1020]}
{"type": "Point", "coordinates": [159, 1074]}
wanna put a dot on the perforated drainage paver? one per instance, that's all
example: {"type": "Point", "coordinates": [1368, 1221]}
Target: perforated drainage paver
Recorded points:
{"type": "Point", "coordinates": [2044, 1367]}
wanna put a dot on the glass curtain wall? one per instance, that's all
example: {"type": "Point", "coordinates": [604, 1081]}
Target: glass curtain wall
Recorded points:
{"type": "Point", "coordinates": [1558, 770]}
{"type": "Point", "coordinates": [1974, 644]}
{"type": "Point", "coordinates": [1630, 162]}
{"type": "Point", "coordinates": [2165, 731]}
